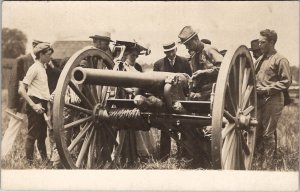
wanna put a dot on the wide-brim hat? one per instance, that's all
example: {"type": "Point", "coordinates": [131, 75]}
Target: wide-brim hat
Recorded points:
{"type": "Point", "coordinates": [186, 34]}
{"type": "Point", "coordinates": [254, 45]}
{"type": "Point", "coordinates": [169, 46]}
{"type": "Point", "coordinates": [41, 47]}
{"type": "Point", "coordinates": [133, 46]}
{"type": "Point", "coordinates": [102, 36]}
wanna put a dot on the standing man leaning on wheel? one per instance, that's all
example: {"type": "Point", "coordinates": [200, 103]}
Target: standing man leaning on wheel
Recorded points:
{"type": "Point", "coordinates": [34, 89]}
{"type": "Point", "coordinates": [273, 76]}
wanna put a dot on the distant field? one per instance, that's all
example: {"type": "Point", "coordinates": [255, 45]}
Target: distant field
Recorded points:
{"type": "Point", "coordinates": [288, 144]}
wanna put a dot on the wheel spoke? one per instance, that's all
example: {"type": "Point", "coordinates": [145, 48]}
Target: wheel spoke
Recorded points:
{"type": "Point", "coordinates": [245, 80]}
{"type": "Point", "coordinates": [232, 156]}
{"type": "Point", "coordinates": [77, 122]}
{"type": "Point", "coordinates": [227, 130]}
{"type": "Point", "coordinates": [80, 135]}
{"type": "Point", "coordinates": [229, 117]}
{"type": "Point", "coordinates": [80, 95]}
{"type": "Point", "coordinates": [87, 91]}
{"type": "Point", "coordinates": [244, 145]}
{"type": "Point", "coordinates": [234, 84]}
{"type": "Point", "coordinates": [84, 148]}
{"type": "Point", "coordinates": [240, 151]}
{"type": "Point", "coordinates": [91, 155]}
{"type": "Point", "coordinates": [77, 108]}
{"type": "Point", "coordinates": [248, 110]}
{"type": "Point", "coordinates": [241, 76]}
{"type": "Point", "coordinates": [227, 145]}
{"type": "Point", "coordinates": [246, 96]}
{"type": "Point", "coordinates": [231, 106]}
{"type": "Point", "coordinates": [103, 94]}
{"type": "Point", "coordinates": [94, 92]}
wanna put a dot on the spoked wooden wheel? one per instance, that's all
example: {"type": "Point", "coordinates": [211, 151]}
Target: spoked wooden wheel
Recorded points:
{"type": "Point", "coordinates": [234, 112]}
{"type": "Point", "coordinates": [82, 141]}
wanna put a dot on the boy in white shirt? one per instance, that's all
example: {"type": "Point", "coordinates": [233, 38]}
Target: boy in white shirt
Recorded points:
{"type": "Point", "coordinates": [34, 89]}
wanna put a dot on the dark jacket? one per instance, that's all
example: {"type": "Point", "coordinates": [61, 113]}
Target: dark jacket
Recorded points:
{"type": "Point", "coordinates": [18, 72]}
{"type": "Point", "coordinates": [181, 65]}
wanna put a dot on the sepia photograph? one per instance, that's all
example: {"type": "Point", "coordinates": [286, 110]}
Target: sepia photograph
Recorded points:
{"type": "Point", "coordinates": [155, 95]}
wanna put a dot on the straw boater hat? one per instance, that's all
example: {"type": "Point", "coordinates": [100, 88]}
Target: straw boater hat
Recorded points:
{"type": "Point", "coordinates": [169, 46]}
{"type": "Point", "coordinates": [186, 34]}
{"type": "Point", "coordinates": [254, 45]}
{"type": "Point", "coordinates": [102, 36]}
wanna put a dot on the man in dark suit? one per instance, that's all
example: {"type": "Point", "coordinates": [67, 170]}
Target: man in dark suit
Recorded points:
{"type": "Point", "coordinates": [176, 64]}
{"type": "Point", "coordinates": [15, 103]}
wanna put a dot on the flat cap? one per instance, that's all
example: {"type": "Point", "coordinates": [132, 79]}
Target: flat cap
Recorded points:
{"type": "Point", "coordinates": [41, 47]}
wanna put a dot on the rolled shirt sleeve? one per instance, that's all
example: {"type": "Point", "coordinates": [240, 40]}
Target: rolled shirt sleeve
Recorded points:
{"type": "Point", "coordinates": [30, 75]}
{"type": "Point", "coordinates": [274, 74]}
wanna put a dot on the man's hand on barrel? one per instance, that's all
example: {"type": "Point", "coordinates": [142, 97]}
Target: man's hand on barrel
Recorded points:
{"type": "Point", "coordinates": [201, 72]}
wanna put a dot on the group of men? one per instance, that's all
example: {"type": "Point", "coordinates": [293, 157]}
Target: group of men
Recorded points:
{"type": "Point", "coordinates": [30, 79]}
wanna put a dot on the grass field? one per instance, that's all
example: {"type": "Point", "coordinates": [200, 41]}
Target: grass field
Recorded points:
{"type": "Point", "coordinates": [287, 160]}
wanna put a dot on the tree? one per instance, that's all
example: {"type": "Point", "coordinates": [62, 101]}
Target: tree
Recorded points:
{"type": "Point", "coordinates": [13, 43]}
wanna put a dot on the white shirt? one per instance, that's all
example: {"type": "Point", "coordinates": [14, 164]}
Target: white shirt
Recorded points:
{"type": "Point", "coordinates": [37, 81]}
{"type": "Point", "coordinates": [129, 67]}
{"type": "Point", "coordinates": [33, 56]}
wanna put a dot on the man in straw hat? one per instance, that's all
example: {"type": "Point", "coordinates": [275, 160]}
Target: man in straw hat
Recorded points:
{"type": "Point", "coordinates": [205, 63]}
{"type": "Point", "coordinates": [35, 91]}
{"type": "Point", "coordinates": [15, 103]}
{"type": "Point", "coordinates": [176, 64]}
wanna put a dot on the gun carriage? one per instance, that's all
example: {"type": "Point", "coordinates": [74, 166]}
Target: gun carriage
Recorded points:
{"type": "Point", "coordinates": [162, 101]}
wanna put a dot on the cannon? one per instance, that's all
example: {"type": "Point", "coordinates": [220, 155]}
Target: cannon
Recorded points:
{"type": "Point", "coordinates": [230, 113]}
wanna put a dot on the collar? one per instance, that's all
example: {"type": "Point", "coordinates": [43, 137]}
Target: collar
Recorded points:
{"type": "Point", "coordinates": [172, 59]}
{"type": "Point", "coordinates": [270, 54]}
{"type": "Point", "coordinates": [33, 56]}
{"type": "Point", "coordinates": [41, 64]}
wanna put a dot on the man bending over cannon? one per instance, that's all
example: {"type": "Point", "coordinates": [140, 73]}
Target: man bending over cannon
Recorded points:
{"type": "Point", "coordinates": [205, 63]}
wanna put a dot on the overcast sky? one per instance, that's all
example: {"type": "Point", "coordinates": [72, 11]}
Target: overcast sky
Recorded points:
{"type": "Point", "coordinates": [226, 24]}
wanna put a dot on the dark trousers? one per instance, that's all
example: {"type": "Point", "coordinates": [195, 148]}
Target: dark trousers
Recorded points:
{"type": "Point", "coordinates": [165, 145]}
{"type": "Point", "coordinates": [37, 130]}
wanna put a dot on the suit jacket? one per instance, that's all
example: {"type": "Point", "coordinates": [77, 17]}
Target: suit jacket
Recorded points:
{"type": "Point", "coordinates": [181, 65]}
{"type": "Point", "coordinates": [18, 72]}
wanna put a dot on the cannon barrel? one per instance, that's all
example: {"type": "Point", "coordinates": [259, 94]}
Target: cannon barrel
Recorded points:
{"type": "Point", "coordinates": [148, 80]}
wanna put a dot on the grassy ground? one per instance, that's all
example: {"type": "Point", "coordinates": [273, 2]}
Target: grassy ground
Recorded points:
{"type": "Point", "coordinates": [287, 160]}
